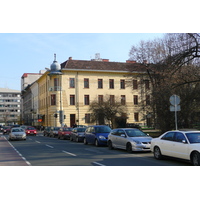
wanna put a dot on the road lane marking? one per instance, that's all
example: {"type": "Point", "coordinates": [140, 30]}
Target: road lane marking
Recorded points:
{"type": "Point", "coordinates": [98, 164]}
{"type": "Point", "coordinates": [37, 141]}
{"type": "Point", "coordinates": [28, 163]}
{"type": "Point", "coordinates": [49, 146]}
{"type": "Point", "coordinates": [69, 153]}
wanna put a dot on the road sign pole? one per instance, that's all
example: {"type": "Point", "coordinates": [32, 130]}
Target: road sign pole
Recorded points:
{"type": "Point", "coordinates": [176, 124]}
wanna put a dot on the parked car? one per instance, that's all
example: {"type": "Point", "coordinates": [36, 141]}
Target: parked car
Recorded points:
{"type": "Point", "coordinates": [54, 131]}
{"type": "Point", "coordinates": [46, 131]}
{"type": "Point", "coordinates": [6, 130]}
{"type": "Point", "coordinates": [23, 127]}
{"type": "Point", "coordinates": [31, 131]}
{"type": "Point", "coordinates": [179, 144]}
{"type": "Point", "coordinates": [64, 133]}
{"type": "Point", "coordinates": [77, 134]}
{"type": "Point", "coordinates": [17, 134]}
{"type": "Point", "coordinates": [97, 134]}
{"type": "Point", "coordinates": [130, 139]}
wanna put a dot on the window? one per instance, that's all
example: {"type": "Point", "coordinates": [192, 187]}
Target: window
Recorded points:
{"type": "Point", "coordinates": [72, 99]}
{"type": "Point", "coordinates": [168, 136]}
{"type": "Point", "coordinates": [123, 99]}
{"type": "Point", "coordinates": [135, 84]}
{"type": "Point", "coordinates": [135, 99]}
{"type": "Point", "coordinates": [86, 100]}
{"type": "Point", "coordinates": [100, 83]}
{"type": "Point", "coordinates": [56, 84]}
{"type": "Point", "coordinates": [147, 99]}
{"type": "Point", "coordinates": [86, 82]}
{"type": "Point", "coordinates": [146, 82]}
{"type": "Point", "coordinates": [87, 118]}
{"type": "Point", "coordinates": [112, 99]}
{"type": "Point", "coordinates": [100, 99]}
{"type": "Point", "coordinates": [179, 137]}
{"type": "Point", "coordinates": [136, 117]}
{"type": "Point", "coordinates": [111, 83]}
{"type": "Point", "coordinates": [53, 100]}
{"type": "Point", "coordinates": [71, 82]}
{"type": "Point", "coordinates": [122, 84]}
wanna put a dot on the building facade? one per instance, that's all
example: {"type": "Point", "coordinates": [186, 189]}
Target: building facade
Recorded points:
{"type": "Point", "coordinates": [29, 93]}
{"type": "Point", "coordinates": [70, 92]}
{"type": "Point", "coordinates": [10, 106]}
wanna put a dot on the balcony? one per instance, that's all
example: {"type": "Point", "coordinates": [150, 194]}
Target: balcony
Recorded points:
{"type": "Point", "coordinates": [55, 89]}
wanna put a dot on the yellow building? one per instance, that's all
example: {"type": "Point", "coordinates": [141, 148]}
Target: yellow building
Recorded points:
{"type": "Point", "coordinates": [78, 82]}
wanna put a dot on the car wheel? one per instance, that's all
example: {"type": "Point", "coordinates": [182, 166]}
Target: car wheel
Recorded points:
{"type": "Point", "coordinates": [129, 147]}
{"type": "Point", "coordinates": [85, 141]}
{"type": "Point", "coordinates": [110, 146]}
{"type": "Point", "coordinates": [157, 153]}
{"type": "Point", "coordinates": [195, 159]}
{"type": "Point", "coordinates": [96, 143]}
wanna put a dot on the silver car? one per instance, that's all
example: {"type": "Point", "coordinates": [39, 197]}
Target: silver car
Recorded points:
{"type": "Point", "coordinates": [130, 139]}
{"type": "Point", "coordinates": [17, 134]}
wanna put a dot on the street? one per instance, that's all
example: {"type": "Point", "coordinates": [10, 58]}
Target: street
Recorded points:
{"type": "Point", "coordinates": [46, 151]}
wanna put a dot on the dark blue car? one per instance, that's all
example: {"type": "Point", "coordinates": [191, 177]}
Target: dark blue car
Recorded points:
{"type": "Point", "coordinates": [97, 134]}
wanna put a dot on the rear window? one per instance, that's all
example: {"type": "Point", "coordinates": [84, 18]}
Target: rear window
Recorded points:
{"type": "Point", "coordinates": [30, 128]}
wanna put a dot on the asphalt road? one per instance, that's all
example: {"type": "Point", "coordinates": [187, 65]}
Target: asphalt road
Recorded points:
{"type": "Point", "coordinates": [45, 151]}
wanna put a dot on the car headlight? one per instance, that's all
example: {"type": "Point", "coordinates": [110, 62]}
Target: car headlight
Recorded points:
{"type": "Point", "coordinates": [136, 142]}
{"type": "Point", "coordinates": [102, 137]}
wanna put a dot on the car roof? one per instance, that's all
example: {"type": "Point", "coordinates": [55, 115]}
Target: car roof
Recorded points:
{"type": "Point", "coordinates": [126, 129]}
{"type": "Point", "coordinates": [186, 131]}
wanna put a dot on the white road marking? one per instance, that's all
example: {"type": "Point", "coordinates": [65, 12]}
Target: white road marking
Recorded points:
{"type": "Point", "coordinates": [37, 141]}
{"type": "Point", "coordinates": [28, 163]}
{"type": "Point", "coordinates": [98, 164]}
{"type": "Point", "coordinates": [69, 153]}
{"type": "Point", "coordinates": [49, 146]}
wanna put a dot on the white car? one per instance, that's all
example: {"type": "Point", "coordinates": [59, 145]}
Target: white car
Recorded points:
{"type": "Point", "coordinates": [179, 144]}
{"type": "Point", "coordinates": [17, 134]}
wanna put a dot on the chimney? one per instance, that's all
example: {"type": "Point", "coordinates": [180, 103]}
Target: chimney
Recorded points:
{"type": "Point", "coordinates": [70, 58]}
{"type": "Point", "coordinates": [145, 62]}
{"type": "Point", "coordinates": [130, 61]}
{"type": "Point", "coordinates": [105, 60]}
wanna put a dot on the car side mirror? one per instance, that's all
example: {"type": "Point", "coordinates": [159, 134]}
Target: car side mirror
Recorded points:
{"type": "Point", "coordinates": [184, 141]}
{"type": "Point", "coordinates": [123, 135]}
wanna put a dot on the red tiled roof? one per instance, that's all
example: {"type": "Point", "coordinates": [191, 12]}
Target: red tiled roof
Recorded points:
{"type": "Point", "coordinates": [100, 65]}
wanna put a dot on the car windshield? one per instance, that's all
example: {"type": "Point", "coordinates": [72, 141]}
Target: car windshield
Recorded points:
{"type": "Point", "coordinates": [103, 129]}
{"type": "Point", "coordinates": [135, 133]}
{"type": "Point", "coordinates": [67, 129]}
{"type": "Point", "coordinates": [30, 128]}
{"type": "Point", "coordinates": [193, 137]}
{"type": "Point", "coordinates": [17, 130]}
{"type": "Point", "coordinates": [56, 128]}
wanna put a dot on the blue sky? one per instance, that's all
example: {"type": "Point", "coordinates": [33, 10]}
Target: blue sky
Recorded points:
{"type": "Point", "coordinates": [31, 52]}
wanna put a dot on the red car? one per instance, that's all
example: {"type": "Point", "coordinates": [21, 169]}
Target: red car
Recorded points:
{"type": "Point", "coordinates": [64, 133]}
{"type": "Point", "coordinates": [31, 131]}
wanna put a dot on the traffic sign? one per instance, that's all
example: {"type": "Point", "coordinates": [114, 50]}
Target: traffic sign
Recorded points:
{"type": "Point", "coordinates": [175, 108]}
{"type": "Point", "coordinates": [174, 100]}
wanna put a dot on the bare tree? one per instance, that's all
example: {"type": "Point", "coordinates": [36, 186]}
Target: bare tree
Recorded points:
{"type": "Point", "coordinates": [173, 68]}
{"type": "Point", "coordinates": [107, 111]}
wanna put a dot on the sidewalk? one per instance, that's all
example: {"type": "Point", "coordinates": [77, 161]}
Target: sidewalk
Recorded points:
{"type": "Point", "coordinates": [8, 155]}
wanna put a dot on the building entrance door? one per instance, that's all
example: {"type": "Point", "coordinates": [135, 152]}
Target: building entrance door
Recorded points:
{"type": "Point", "coordinates": [72, 119]}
